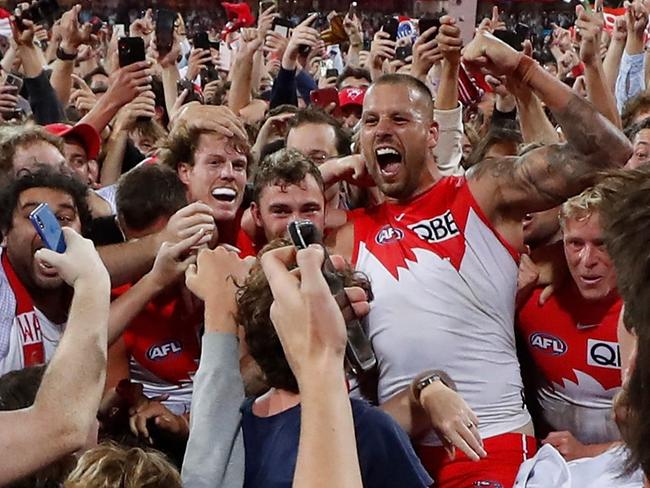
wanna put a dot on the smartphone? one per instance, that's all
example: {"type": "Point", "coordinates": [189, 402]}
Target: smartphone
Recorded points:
{"type": "Point", "coordinates": [48, 227]}
{"type": "Point", "coordinates": [201, 40]}
{"type": "Point", "coordinates": [324, 97]}
{"type": "Point", "coordinates": [165, 20]}
{"type": "Point", "coordinates": [119, 30]}
{"type": "Point", "coordinates": [14, 80]}
{"type": "Point", "coordinates": [192, 95]}
{"type": "Point", "coordinates": [426, 23]}
{"type": "Point", "coordinates": [130, 50]}
{"type": "Point", "coordinates": [391, 24]}
{"type": "Point", "coordinates": [404, 52]}
{"type": "Point", "coordinates": [267, 4]}
{"type": "Point", "coordinates": [358, 352]}
{"type": "Point", "coordinates": [331, 73]}
{"type": "Point", "coordinates": [282, 26]}
{"type": "Point", "coordinates": [511, 38]}
{"type": "Point", "coordinates": [320, 22]}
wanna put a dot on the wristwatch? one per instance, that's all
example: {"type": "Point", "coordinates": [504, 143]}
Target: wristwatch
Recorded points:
{"type": "Point", "coordinates": [421, 382]}
{"type": "Point", "coordinates": [64, 56]}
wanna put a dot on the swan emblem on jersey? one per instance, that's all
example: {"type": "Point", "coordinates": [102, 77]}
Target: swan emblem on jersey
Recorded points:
{"type": "Point", "coordinates": [548, 343]}
{"type": "Point", "coordinates": [161, 351]}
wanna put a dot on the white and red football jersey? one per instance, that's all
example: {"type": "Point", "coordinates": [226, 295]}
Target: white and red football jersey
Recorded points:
{"type": "Point", "coordinates": [574, 346]}
{"type": "Point", "coordinates": [444, 284]}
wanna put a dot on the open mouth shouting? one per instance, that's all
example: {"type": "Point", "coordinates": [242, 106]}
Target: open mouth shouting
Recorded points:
{"type": "Point", "coordinates": [389, 160]}
{"type": "Point", "coordinates": [224, 194]}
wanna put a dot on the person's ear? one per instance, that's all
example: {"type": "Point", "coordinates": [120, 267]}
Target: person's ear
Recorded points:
{"type": "Point", "coordinates": [184, 171]}
{"type": "Point", "coordinates": [257, 215]}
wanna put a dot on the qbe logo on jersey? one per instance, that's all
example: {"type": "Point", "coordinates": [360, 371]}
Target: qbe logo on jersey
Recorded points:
{"type": "Point", "coordinates": [436, 229]}
{"type": "Point", "coordinates": [603, 354]}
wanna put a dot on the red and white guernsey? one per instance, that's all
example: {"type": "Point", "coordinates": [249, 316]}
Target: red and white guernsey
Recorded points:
{"type": "Point", "coordinates": [444, 283]}
{"type": "Point", "coordinates": [575, 349]}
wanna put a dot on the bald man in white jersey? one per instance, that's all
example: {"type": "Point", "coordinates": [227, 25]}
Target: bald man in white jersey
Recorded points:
{"type": "Point", "coordinates": [442, 255]}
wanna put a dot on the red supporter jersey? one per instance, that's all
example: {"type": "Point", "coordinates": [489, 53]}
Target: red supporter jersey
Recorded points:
{"type": "Point", "coordinates": [163, 337]}
{"type": "Point", "coordinates": [574, 346]}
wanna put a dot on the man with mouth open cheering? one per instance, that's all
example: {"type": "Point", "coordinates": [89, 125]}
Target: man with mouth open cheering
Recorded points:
{"type": "Point", "coordinates": [442, 255]}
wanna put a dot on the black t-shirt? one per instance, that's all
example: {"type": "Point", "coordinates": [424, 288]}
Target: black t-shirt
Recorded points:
{"type": "Point", "coordinates": [386, 456]}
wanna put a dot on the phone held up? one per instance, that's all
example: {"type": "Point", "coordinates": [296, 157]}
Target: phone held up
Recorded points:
{"type": "Point", "coordinates": [48, 228]}
{"type": "Point", "coordinates": [358, 353]}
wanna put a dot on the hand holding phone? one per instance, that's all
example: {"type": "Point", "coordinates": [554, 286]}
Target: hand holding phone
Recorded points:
{"type": "Point", "coordinates": [165, 21]}
{"type": "Point", "coordinates": [358, 353]}
{"type": "Point", "coordinates": [48, 228]}
{"type": "Point", "coordinates": [324, 98]}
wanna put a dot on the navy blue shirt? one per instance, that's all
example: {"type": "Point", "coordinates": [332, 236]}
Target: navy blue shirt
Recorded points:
{"type": "Point", "coordinates": [386, 456]}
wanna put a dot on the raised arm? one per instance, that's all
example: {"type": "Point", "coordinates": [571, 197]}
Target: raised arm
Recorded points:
{"type": "Point", "coordinates": [544, 177]}
{"type": "Point", "coordinates": [590, 26]}
{"type": "Point", "coordinates": [66, 404]}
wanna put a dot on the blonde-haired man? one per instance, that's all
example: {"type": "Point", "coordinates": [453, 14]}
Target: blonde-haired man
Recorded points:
{"type": "Point", "coordinates": [572, 341]}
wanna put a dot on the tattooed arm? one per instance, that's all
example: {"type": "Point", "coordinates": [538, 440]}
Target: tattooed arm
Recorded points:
{"type": "Point", "coordinates": [510, 187]}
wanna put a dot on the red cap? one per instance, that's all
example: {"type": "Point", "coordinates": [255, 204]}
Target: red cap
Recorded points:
{"type": "Point", "coordinates": [84, 132]}
{"type": "Point", "coordinates": [352, 96]}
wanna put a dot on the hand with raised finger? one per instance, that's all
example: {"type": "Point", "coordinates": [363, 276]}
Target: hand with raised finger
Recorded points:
{"type": "Point", "coordinates": [453, 420]}
{"type": "Point", "coordinates": [265, 21]}
{"type": "Point", "coordinates": [173, 260]}
{"type": "Point", "coordinates": [143, 27]}
{"type": "Point", "coordinates": [73, 35]}
{"type": "Point", "coordinates": [382, 48]}
{"type": "Point", "coordinates": [353, 29]}
{"type": "Point", "coordinates": [589, 25]}
{"type": "Point", "coordinates": [303, 35]}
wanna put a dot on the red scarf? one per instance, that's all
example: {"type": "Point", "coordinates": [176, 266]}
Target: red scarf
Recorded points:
{"type": "Point", "coordinates": [25, 318]}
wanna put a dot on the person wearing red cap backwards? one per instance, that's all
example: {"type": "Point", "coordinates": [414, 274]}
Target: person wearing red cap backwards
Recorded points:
{"type": "Point", "coordinates": [351, 103]}
{"type": "Point", "coordinates": [81, 145]}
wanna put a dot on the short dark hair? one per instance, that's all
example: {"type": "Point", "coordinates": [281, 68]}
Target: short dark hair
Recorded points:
{"type": "Point", "coordinates": [494, 136]}
{"type": "Point", "coordinates": [633, 106]}
{"type": "Point", "coordinates": [254, 304]}
{"type": "Point", "coordinates": [147, 193]}
{"type": "Point", "coordinates": [317, 116]}
{"type": "Point", "coordinates": [411, 82]}
{"type": "Point", "coordinates": [353, 72]}
{"type": "Point", "coordinates": [632, 130]}
{"type": "Point", "coordinates": [43, 176]}
{"type": "Point", "coordinates": [286, 166]}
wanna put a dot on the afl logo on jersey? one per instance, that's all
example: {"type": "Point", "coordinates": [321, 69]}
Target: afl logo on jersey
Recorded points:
{"type": "Point", "coordinates": [388, 234]}
{"type": "Point", "coordinates": [161, 351]}
{"type": "Point", "coordinates": [548, 343]}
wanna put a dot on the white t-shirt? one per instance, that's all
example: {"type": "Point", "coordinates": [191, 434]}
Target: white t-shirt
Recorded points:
{"type": "Point", "coordinates": [548, 469]}
{"type": "Point", "coordinates": [12, 337]}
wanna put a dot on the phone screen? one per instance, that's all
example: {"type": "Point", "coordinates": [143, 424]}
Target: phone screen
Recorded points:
{"type": "Point", "coordinates": [165, 20]}
{"type": "Point", "coordinates": [130, 50]}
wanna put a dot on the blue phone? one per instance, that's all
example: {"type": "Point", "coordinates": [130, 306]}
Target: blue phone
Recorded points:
{"type": "Point", "coordinates": [48, 227]}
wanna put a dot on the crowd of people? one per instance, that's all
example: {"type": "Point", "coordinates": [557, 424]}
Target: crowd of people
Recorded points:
{"type": "Point", "coordinates": [462, 300]}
